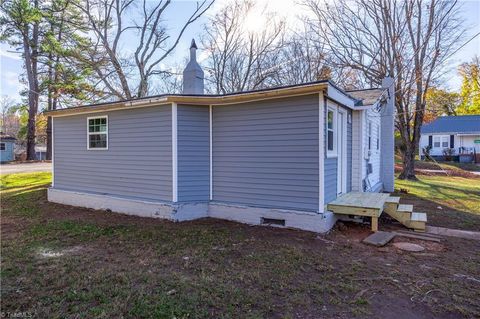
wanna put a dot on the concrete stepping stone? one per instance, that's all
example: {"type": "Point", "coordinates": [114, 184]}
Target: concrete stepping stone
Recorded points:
{"type": "Point", "coordinates": [409, 247]}
{"type": "Point", "coordinates": [379, 238]}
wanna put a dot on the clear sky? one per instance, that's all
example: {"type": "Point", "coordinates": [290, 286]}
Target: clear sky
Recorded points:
{"type": "Point", "coordinates": [11, 64]}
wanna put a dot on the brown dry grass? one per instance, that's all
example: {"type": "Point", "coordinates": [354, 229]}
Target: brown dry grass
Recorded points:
{"type": "Point", "coordinates": [64, 262]}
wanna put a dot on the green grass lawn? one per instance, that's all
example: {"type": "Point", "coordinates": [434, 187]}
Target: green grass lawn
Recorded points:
{"type": "Point", "coordinates": [65, 262]}
{"type": "Point", "coordinates": [449, 201]}
{"type": "Point", "coordinates": [460, 193]}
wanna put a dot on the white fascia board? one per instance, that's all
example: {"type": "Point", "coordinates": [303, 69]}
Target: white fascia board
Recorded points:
{"type": "Point", "coordinates": [462, 134]}
{"type": "Point", "coordinates": [365, 107]}
{"type": "Point", "coordinates": [340, 97]}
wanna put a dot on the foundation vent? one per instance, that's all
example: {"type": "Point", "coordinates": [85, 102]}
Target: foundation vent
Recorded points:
{"type": "Point", "coordinates": [273, 221]}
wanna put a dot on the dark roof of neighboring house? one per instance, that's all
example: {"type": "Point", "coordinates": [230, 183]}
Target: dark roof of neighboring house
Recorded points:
{"type": "Point", "coordinates": [7, 138]}
{"type": "Point", "coordinates": [454, 124]}
{"type": "Point", "coordinates": [366, 96]}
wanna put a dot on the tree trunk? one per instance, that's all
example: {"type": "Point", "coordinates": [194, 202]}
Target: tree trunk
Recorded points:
{"type": "Point", "coordinates": [31, 156]}
{"type": "Point", "coordinates": [32, 101]}
{"type": "Point", "coordinates": [31, 56]}
{"type": "Point", "coordinates": [408, 157]}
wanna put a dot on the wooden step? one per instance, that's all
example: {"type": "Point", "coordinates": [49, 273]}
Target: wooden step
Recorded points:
{"type": "Point", "coordinates": [393, 200]}
{"type": "Point", "coordinates": [419, 217]}
{"type": "Point", "coordinates": [405, 208]}
{"type": "Point", "coordinates": [399, 212]}
{"type": "Point", "coordinates": [417, 221]}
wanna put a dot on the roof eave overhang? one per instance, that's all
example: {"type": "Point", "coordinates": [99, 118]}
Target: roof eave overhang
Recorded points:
{"type": "Point", "coordinates": [452, 133]}
{"type": "Point", "coordinates": [339, 96]}
{"type": "Point", "coordinates": [365, 107]}
{"type": "Point", "coordinates": [332, 92]}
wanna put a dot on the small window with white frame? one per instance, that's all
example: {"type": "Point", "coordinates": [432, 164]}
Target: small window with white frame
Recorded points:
{"type": "Point", "coordinates": [441, 141]}
{"type": "Point", "coordinates": [97, 133]}
{"type": "Point", "coordinates": [445, 141]}
{"type": "Point", "coordinates": [2, 147]}
{"type": "Point", "coordinates": [378, 137]}
{"type": "Point", "coordinates": [331, 132]}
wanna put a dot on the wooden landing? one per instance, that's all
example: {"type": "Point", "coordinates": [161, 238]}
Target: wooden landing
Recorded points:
{"type": "Point", "coordinates": [373, 204]}
{"type": "Point", "coordinates": [361, 204]}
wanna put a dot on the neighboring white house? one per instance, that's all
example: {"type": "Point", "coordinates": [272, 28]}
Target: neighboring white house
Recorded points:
{"type": "Point", "coordinates": [458, 136]}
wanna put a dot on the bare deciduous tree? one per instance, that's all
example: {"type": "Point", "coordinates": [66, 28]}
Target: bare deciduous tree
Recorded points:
{"type": "Point", "coordinates": [9, 120]}
{"type": "Point", "coordinates": [241, 56]}
{"type": "Point", "coordinates": [124, 75]}
{"type": "Point", "coordinates": [408, 40]}
{"type": "Point", "coordinates": [301, 60]}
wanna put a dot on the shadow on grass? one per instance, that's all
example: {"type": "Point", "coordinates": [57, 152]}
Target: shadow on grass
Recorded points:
{"type": "Point", "coordinates": [22, 180]}
{"type": "Point", "coordinates": [446, 192]}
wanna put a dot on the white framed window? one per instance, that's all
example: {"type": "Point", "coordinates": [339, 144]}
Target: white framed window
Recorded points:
{"type": "Point", "coordinates": [331, 132]}
{"type": "Point", "coordinates": [2, 147]}
{"type": "Point", "coordinates": [97, 133]}
{"type": "Point", "coordinates": [441, 141]}
{"type": "Point", "coordinates": [445, 141]}
{"type": "Point", "coordinates": [378, 137]}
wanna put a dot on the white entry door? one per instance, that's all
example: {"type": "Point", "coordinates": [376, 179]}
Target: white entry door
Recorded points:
{"type": "Point", "coordinates": [342, 152]}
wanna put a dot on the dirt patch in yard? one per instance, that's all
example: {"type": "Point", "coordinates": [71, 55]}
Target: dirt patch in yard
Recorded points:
{"type": "Point", "coordinates": [113, 265]}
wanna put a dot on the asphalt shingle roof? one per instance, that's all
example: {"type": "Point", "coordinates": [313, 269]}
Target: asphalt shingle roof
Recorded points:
{"type": "Point", "coordinates": [366, 96]}
{"type": "Point", "coordinates": [454, 124]}
{"type": "Point", "coordinates": [6, 138]}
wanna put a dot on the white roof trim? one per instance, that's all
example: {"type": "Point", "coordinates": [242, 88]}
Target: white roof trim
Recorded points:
{"type": "Point", "coordinates": [340, 97]}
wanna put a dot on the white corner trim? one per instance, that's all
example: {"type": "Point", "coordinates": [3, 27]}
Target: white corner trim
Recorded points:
{"type": "Point", "coordinates": [342, 158]}
{"type": "Point", "coordinates": [210, 111]}
{"type": "Point", "coordinates": [174, 154]}
{"type": "Point", "coordinates": [53, 155]}
{"type": "Point", "coordinates": [321, 152]}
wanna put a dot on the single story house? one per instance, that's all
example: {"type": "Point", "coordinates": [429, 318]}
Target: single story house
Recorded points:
{"type": "Point", "coordinates": [452, 137]}
{"type": "Point", "coordinates": [272, 156]}
{"type": "Point", "coordinates": [40, 152]}
{"type": "Point", "coordinates": [7, 144]}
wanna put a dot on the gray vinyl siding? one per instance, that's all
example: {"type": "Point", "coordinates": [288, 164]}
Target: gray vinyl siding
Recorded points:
{"type": "Point", "coordinates": [193, 149]}
{"type": "Point", "coordinates": [330, 179]}
{"type": "Point", "coordinates": [137, 164]}
{"type": "Point", "coordinates": [266, 153]}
